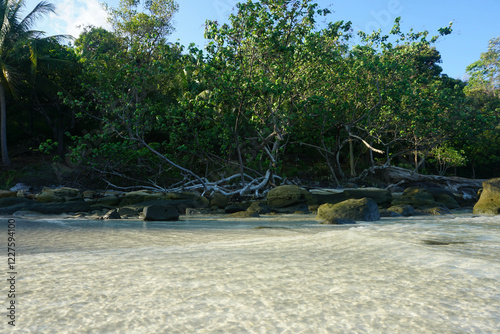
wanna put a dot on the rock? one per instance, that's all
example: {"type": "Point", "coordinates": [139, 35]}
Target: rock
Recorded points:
{"type": "Point", "coordinates": [218, 200]}
{"type": "Point", "coordinates": [338, 221]}
{"type": "Point", "coordinates": [288, 195]}
{"type": "Point", "coordinates": [244, 214]}
{"type": "Point", "coordinates": [232, 208]}
{"type": "Point", "coordinates": [127, 213]}
{"type": "Point", "coordinates": [418, 198]}
{"type": "Point", "coordinates": [26, 213]}
{"type": "Point", "coordinates": [389, 214]}
{"type": "Point", "coordinates": [47, 208]}
{"type": "Point", "coordinates": [139, 196]}
{"type": "Point", "coordinates": [7, 193]}
{"type": "Point", "coordinates": [9, 201]}
{"type": "Point", "coordinates": [112, 214]}
{"type": "Point", "coordinates": [197, 212]}
{"type": "Point", "coordinates": [364, 209]}
{"type": "Point", "coordinates": [108, 200]}
{"type": "Point", "coordinates": [403, 210]}
{"type": "Point", "coordinates": [381, 196]}
{"type": "Point", "coordinates": [448, 201]}
{"type": "Point", "coordinates": [89, 194]}
{"type": "Point", "coordinates": [160, 213]}
{"type": "Point", "coordinates": [294, 209]}
{"type": "Point", "coordinates": [259, 207]}
{"type": "Point", "coordinates": [20, 187]}
{"type": "Point", "coordinates": [437, 211]}
{"type": "Point", "coordinates": [192, 200]}
{"type": "Point", "coordinates": [489, 201]}
{"type": "Point", "coordinates": [64, 194]}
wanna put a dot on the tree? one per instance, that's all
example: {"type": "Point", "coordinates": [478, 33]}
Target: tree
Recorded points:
{"type": "Point", "coordinates": [484, 74]}
{"type": "Point", "coordinates": [17, 43]}
{"type": "Point", "coordinates": [256, 74]}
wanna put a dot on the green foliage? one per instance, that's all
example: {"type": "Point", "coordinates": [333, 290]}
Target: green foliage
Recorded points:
{"type": "Point", "coordinates": [446, 156]}
{"type": "Point", "coordinates": [273, 92]}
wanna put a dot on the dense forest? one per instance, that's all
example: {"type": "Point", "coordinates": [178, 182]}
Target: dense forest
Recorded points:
{"type": "Point", "coordinates": [273, 96]}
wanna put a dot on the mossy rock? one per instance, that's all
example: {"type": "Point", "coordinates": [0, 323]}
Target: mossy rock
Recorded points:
{"type": "Point", "coordinates": [437, 211]}
{"type": "Point", "coordinates": [403, 210]}
{"type": "Point", "coordinates": [489, 201]}
{"type": "Point", "coordinates": [288, 195]}
{"type": "Point", "coordinates": [244, 214]}
{"type": "Point", "coordinates": [64, 194]}
{"type": "Point", "coordinates": [219, 200]}
{"type": "Point", "coordinates": [418, 198]}
{"type": "Point", "coordinates": [364, 209]}
{"type": "Point", "coordinates": [259, 207]}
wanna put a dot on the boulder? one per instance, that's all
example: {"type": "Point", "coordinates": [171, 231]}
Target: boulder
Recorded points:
{"type": "Point", "coordinates": [364, 209]}
{"type": "Point", "coordinates": [419, 198]}
{"type": "Point", "coordinates": [244, 214]}
{"type": "Point", "coordinates": [448, 200]}
{"type": "Point", "coordinates": [47, 208]}
{"type": "Point", "coordinates": [437, 211]}
{"type": "Point", "coordinates": [259, 207]}
{"type": "Point", "coordinates": [127, 213]}
{"type": "Point", "coordinates": [338, 221]}
{"type": "Point", "coordinates": [489, 201]}
{"type": "Point", "coordinates": [288, 195]}
{"type": "Point", "coordinates": [157, 212]}
{"type": "Point", "coordinates": [402, 210]}
{"type": "Point", "coordinates": [112, 214]}
{"type": "Point", "coordinates": [219, 200]}
{"type": "Point", "coordinates": [7, 193]}
{"type": "Point", "coordinates": [382, 197]}
{"type": "Point", "coordinates": [139, 196]}
{"type": "Point", "coordinates": [232, 208]}
{"type": "Point", "coordinates": [63, 194]}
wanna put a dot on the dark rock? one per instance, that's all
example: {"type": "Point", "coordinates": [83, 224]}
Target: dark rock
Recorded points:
{"type": "Point", "coordinates": [259, 207]}
{"type": "Point", "coordinates": [127, 213]}
{"type": "Point", "coordinates": [489, 201]}
{"type": "Point", "coordinates": [9, 201]}
{"type": "Point", "coordinates": [48, 208]}
{"type": "Point", "coordinates": [338, 221]}
{"type": "Point", "coordinates": [402, 210]}
{"type": "Point", "coordinates": [419, 198]}
{"type": "Point", "coordinates": [63, 194]}
{"type": "Point", "coordinates": [288, 195]}
{"type": "Point", "coordinates": [7, 193]}
{"type": "Point", "coordinates": [448, 200]}
{"type": "Point", "coordinates": [389, 213]}
{"type": "Point", "coordinates": [219, 200]}
{"type": "Point", "coordinates": [297, 209]}
{"type": "Point", "coordinates": [232, 208]}
{"type": "Point", "coordinates": [112, 214]}
{"type": "Point", "coordinates": [381, 196]}
{"type": "Point", "coordinates": [160, 213]}
{"type": "Point", "coordinates": [437, 211]}
{"type": "Point", "coordinates": [364, 209]}
{"type": "Point", "coordinates": [244, 214]}
{"type": "Point", "coordinates": [196, 212]}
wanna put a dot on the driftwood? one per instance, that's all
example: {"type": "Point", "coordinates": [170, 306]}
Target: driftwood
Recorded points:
{"type": "Point", "coordinates": [397, 176]}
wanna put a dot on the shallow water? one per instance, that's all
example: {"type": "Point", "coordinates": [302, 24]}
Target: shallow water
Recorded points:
{"type": "Point", "coordinates": [262, 275]}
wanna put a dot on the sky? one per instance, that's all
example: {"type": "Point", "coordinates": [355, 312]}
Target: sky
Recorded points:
{"type": "Point", "coordinates": [474, 22]}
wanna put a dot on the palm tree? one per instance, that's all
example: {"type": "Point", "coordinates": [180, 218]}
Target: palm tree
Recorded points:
{"type": "Point", "coordinates": [17, 41]}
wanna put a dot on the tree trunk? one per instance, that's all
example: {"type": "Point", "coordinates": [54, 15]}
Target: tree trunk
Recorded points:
{"type": "Point", "coordinates": [3, 127]}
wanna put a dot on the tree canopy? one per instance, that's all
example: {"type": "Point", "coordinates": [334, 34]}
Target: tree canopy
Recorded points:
{"type": "Point", "coordinates": [274, 96]}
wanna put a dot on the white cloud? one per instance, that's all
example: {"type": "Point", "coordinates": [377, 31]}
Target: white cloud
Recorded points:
{"type": "Point", "coordinates": [73, 15]}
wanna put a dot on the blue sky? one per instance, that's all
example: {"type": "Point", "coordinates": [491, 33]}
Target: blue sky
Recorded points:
{"type": "Point", "coordinates": [474, 22]}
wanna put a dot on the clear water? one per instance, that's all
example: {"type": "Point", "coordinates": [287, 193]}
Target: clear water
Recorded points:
{"type": "Point", "coordinates": [276, 275]}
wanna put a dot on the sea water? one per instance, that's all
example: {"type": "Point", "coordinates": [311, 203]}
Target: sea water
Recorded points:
{"type": "Point", "coordinates": [258, 275]}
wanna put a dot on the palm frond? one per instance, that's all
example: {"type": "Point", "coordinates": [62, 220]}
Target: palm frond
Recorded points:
{"type": "Point", "coordinates": [41, 9]}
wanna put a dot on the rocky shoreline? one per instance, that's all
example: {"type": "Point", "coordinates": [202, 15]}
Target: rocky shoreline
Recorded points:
{"type": "Point", "coordinates": [332, 206]}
